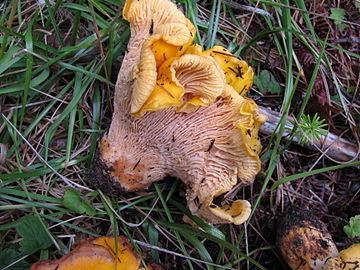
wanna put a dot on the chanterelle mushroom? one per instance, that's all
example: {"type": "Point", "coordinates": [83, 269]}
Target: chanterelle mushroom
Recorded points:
{"type": "Point", "coordinates": [304, 240]}
{"type": "Point", "coordinates": [104, 253]}
{"type": "Point", "coordinates": [305, 244]}
{"type": "Point", "coordinates": [176, 113]}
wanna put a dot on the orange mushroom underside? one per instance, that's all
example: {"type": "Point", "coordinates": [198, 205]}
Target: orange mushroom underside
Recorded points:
{"type": "Point", "coordinates": [180, 111]}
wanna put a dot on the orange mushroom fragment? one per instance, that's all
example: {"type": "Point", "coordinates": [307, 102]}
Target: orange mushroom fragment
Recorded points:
{"type": "Point", "coordinates": [104, 253]}
{"type": "Point", "coordinates": [120, 249]}
{"type": "Point", "coordinates": [348, 259]}
{"type": "Point", "coordinates": [185, 81]}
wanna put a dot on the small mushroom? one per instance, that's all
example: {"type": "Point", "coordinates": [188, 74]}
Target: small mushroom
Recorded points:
{"type": "Point", "coordinates": [95, 254]}
{"type": "Point", "coordinates": [178, 117]}
{"type": "Point", "coordinates": [305, 244]}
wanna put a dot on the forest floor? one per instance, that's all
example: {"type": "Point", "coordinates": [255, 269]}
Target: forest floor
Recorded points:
{"type": "Point", "coordinates": [58, 66]}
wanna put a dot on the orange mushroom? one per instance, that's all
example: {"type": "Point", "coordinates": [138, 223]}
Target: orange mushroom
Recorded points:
{"type": "Point", "coordinates": [161, 31]}
{"type": "Point", "coordinates": [104, 253]}
{"type": "Point", "coordinates": [178, 112]}
{"type": "Point", "coordinates": [348, 259]}
{"type": "Point", "coordinates": [184, 81]}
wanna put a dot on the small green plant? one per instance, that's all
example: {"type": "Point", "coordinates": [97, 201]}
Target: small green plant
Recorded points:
{"type": "Point", "coordinates": [34, 235]}
{"type": "Point", "coordinates": [74, 201]}
{"type": "Point", "coordinates": [338, 13]}
{"type": "Point", "coordinates": [11, 256]}
{"type": "Point", "coordinates": [267, 83]}
{"type": "Point", "coordinates": [311, 128]}
{"type": "Point", "coordinates": [352, 230]}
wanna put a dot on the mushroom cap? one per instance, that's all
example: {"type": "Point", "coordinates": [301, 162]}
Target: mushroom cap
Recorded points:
{"type": "Point", "coordinates": [304, 240]}
{"type": "Point", "coordinates": [95, 254]}
{"type": "Point", "coordinates": [199, 78]}
{"type": "Point", "coordinates": [204, 148]}
{"type": "Point", "coordinates": [177, 114]}
{"type": "Point", "coordinates": [348, 259]}
{"type": "Point", "coordinates": [212, 71]}
{"type": "Point", "coordinates": [87, 257]}
{"type": "Point", "coordinates": [171, 33]}
{"type": "Point", "coordinates": [237, 212]}
{"type": "Point", "coordinates": [238, 73]}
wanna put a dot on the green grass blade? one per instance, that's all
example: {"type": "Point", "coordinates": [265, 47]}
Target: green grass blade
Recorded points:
{"type": "Point", "coordinates": [200, 248]}
{"type": "Point", "coordinates": [51, 13]}
{"type": "Point", "coordinates": [213, 24]}
{"type": "Point", "coordinates": [168, 214]}
{"type": "Point", "coordinates": [29, 65]}
{"type": "Point", "coordinates": [9, 25]}
{"type": "Point", "coordinates": [8, 60]}
{"type": "Point", "coordinates": [307, 96]}
{"type": "Point", "coordinates": [96, 114]}
{"type": "Point", "coordinates": [317, 171]}
{"type": "Point", "coordinates": [76, 24]}
{"type": "Point", "coordinates": [20, 85]}
{"type": "Point", "coordinates": [192, 231]}
{"type": "Point", "coordinates": [79, 89]}
{"type": "Point", "coordinates": [192, 15]}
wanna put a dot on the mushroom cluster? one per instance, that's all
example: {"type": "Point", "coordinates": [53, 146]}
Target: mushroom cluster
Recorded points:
{"type": "Point", "coordinates": [180, 111]}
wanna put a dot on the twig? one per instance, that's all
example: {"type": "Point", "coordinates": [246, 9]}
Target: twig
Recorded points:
{"type": "Point", "coordinates": [337, 149]}
{"type": "Point", "coordinates": [235, 5]}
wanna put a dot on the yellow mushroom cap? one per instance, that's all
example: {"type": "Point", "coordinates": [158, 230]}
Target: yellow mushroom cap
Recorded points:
{"type": "Point", "coordinates": [189, 80]}
{"type": "Point", "coordinates": [164, 32]}
{"type": "Point", "coordinates": [245, 135]}
{"type": "Point", "coordinates": [238, 73]}
{"type": "Point", "coordinates": [121, 249]}
{"type": "Point", "coordinates": [348, 259]}
{"type": "Point", "coordinates": [178, 114]}
{"type": "Point", "coordinates": [152, 17]}
{"type": "Point", "coordinates": [237, 212]}
{"type": "Point", "coordinates": [86, 256]}
{"type": "Point", "coordinates": [246, 165]}
{"type": "Point", "coordinates": [203, 148]}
